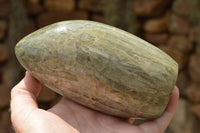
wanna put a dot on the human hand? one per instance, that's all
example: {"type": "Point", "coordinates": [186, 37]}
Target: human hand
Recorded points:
{"type": "Point", "coordinates": [70, 117]}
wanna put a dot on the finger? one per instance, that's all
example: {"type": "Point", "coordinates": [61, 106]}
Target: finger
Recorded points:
{"type": "Point", "coordinates": [159, 125]}
{"type": "Point", "coordinates": [23, 97]}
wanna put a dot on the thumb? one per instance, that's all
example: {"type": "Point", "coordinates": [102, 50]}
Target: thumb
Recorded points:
{"type": "Point", "coordinates": [23, 98]}
{"type": "Point", "coordinates": [161, 123]}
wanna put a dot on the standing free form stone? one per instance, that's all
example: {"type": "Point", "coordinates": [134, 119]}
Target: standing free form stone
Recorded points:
{"type": "Point", "coordinates": [101, 67]}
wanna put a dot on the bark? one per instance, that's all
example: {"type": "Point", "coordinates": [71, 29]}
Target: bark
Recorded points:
{"type": "Point", "coordinates": [17, 22]}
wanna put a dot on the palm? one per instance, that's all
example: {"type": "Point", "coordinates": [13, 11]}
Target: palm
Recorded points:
{"type": "Point", "coordinates": [86, 120]}
{"type": "Point", "coordinates": [67, 116]}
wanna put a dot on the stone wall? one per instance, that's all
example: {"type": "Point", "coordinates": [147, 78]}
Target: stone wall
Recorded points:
{"type": "Point", "coordinates": [171, 25]}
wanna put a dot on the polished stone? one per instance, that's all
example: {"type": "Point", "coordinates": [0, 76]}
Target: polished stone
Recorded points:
{"type": "Point", "coordinates": [101, 67]}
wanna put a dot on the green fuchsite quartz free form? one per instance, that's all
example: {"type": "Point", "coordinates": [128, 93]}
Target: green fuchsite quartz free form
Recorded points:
{"type": "Point", "coordinates": [101, 67]}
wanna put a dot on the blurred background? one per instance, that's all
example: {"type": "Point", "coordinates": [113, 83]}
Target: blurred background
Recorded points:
{"type": "Point", "coordinates": [171, 25]}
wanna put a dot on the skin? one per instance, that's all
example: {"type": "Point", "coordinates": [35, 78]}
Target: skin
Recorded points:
{"type": "Point", "coordinates": [69, 117]}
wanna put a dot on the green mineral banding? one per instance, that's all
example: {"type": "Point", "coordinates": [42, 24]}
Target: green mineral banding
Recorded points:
{"type": "Point", "coordinates": [101, 67]}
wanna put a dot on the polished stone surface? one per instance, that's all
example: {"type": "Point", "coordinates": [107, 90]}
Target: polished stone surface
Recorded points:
{"type": "Point", "coordinates": [101, 67]}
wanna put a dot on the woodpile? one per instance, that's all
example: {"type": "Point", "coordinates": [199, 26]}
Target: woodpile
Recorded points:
{"type": "Point", "coordinates": [171, 25]}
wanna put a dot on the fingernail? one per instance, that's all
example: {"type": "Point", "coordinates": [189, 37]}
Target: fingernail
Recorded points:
{"type": "Point", "coordinates": [131, 120]}
{"type": "Point", "coordinates": [26, 73]}
{"type": "Point", "coordinates": [176, 89]}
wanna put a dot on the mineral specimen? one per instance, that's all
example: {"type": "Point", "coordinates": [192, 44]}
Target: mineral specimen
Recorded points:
{"type": "Point", "coordinates": [101, 67]}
